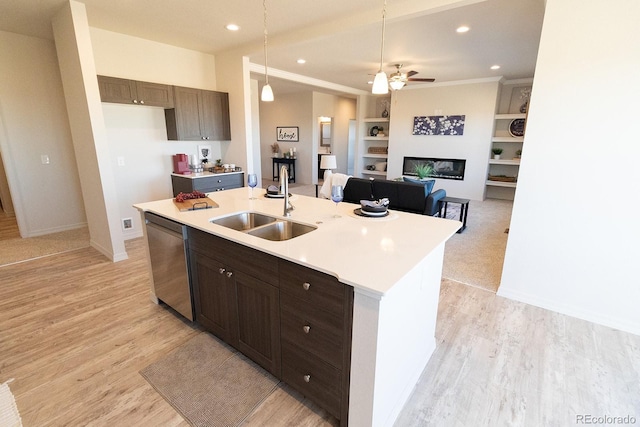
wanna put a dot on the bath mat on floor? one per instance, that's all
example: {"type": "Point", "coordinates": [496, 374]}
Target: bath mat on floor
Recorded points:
{"type": "Point", "coordinates": [9, 415]}
{"type": "Point", "coordinates": [210, 383]}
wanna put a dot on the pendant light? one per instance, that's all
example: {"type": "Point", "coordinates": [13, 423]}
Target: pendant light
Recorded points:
{"type": "Point", "coordinates": [380, 83]}
{"type": "Point", "coordinates": [267, 93]}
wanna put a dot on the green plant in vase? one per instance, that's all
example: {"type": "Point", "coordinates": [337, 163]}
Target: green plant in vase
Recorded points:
{"type": "Point", "coordinates": [423, 170]}
{"type": "Point", "coordinates": [496, 153]}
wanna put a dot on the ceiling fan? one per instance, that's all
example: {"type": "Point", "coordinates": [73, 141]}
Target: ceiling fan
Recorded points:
{"type": "Point", "coordinates": [398, 79]}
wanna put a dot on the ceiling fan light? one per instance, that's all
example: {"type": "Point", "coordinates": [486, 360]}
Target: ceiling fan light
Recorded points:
{"type": "Point", "coordinates": [396, 84]}
{"type": "Point", "coordinates": [267, 93]}
{"type": "Point", "coordinates": [380, 84]}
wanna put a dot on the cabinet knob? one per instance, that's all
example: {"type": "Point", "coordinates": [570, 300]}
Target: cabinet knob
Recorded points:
{"type": "Point", "coordinates": [306, 286]}
{"type": "Point", "coordinates": [229, 273]}
{"type": "Point", "coordinates": [141, 102]}
{"type": "Point", "coordinates": [307, 378]}
{"type": "Point", "coordinates": [221, 270]}
{"type": "Point", "coordinates": [219, 180]}
{"type": "Point", "coordinates": [135, 101]}
{"type": "Point", "coordinates": [306, 329]}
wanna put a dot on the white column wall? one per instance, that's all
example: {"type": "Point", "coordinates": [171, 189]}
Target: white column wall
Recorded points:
{"type": "Point", "coordinates": [75, 57]}
{"type": "Point", "coordinates": [573, 239]}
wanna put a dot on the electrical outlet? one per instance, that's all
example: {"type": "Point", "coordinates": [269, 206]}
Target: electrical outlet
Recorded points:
{"type": "Point", "coordinates": [127, 223]}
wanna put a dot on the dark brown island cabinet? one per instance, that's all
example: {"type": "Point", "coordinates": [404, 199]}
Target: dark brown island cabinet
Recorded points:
{"type": "Point", "coordinates": [292, 320]}
{"type": "Point", "coordinates": [198, 115]}
{"type": "Point", "coordinates": [124, 91]}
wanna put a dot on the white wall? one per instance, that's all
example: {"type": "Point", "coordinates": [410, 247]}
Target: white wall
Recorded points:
{"type": "Point", "coordinates": [341, 110]}
{"type": "Point", "coordinates": [573, 239]}
{"type": "Point", "coordinates": [137, 134]}
{"type": "Point", "coordinates": [288, 110]}
{"type": "Point", "coordinates": [82, 97]}
{"type": "Point", "coordinates": [121, 55]}
{"type": "Point", "coordinates": [33, 121]}
{"type": "Point", "coordinates": [476, 100]}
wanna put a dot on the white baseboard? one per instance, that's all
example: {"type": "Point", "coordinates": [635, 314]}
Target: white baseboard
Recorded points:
{"type": "Point", "coordinates": [45, 231]}
{"type": "Point", "coordinates": [570, 310]}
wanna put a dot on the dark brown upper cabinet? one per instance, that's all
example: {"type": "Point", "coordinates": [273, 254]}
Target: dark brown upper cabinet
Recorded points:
{"type": "Point", "coordinates": [125, 91]}
{"type": "Point", "coordinates": [198, 115]}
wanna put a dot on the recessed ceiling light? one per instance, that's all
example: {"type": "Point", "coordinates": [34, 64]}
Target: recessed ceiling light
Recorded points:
{"type": "Point", "coordinates": [495, 67]}
{"type": "Point", "coordinates": [301, 61]}
{"type": "Point", "coordinates": [232, 27]}
{"type": "Point", "coordinates": [462, 29]}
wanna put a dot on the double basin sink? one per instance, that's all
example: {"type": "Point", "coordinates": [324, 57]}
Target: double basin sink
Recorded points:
{"type": "Point", "coordinates": [264, 226]}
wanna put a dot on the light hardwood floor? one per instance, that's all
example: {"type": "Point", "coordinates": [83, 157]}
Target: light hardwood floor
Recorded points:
{"type": "Point", "coordinates": [8, 227]}
{"type": "Point", "coordinates": [75, 329]}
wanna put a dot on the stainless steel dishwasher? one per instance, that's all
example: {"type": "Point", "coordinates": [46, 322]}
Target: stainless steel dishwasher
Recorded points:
{"type": "Point", "coordinates": [169, 263]}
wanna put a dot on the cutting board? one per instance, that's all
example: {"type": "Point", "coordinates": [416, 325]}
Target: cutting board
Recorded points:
{"type": "Point", "coordinates": [195, 204]}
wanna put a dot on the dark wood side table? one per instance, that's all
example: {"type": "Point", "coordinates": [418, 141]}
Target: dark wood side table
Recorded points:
{"type": "Point", "coordinates": [464, 209]}
{"type": "Point", "coordinates": [291, 166]}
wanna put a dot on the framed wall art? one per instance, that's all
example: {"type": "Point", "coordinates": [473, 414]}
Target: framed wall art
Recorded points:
{"type": "Point", "coordinates": [287, 133]}
{"type": "Point", "coordinates": [438, 125]}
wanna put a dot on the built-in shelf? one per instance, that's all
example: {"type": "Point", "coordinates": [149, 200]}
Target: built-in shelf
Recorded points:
{"type": "Point", "coordinates": [510, 116]}
{"type": "Point", "coordinates": [368, 172]}
{"type": "Point", "coordinates": [378, 144]}
{"type": "Point", "coordinates": [507, 139]}
{"type": "Point", "coordinates": [504, 162]}
{"type": "Point", "coordinates": [501, 184]}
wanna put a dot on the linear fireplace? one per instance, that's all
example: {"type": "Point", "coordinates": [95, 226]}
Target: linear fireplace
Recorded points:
{"type": "Point", "coordinates": [443, 168]}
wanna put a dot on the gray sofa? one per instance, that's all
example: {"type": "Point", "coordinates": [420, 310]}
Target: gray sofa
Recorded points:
{"type": "Point", "coordinates": [404, 196]}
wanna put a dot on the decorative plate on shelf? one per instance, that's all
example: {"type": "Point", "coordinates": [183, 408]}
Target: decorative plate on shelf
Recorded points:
{"type": "Point", "coordinates": [374, 131]}
{"type": "Point", "coordinates": [516, 127]}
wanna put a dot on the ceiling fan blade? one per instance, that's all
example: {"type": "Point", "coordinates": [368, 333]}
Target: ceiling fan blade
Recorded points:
{"type": "Point", "coordinates": [421, 80]}
{"type": "Point", "coordinates": [411, 73]}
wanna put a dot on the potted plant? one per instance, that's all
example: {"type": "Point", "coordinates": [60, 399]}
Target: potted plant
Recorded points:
{"type": "Point", "coordinates": [496, 153]}
{"type": "Point", "coordinates": [423, 170]}
{"type": "Point", "coordinates": [518, 154]}
{"type": "Point", "coordinates": [275, 148]}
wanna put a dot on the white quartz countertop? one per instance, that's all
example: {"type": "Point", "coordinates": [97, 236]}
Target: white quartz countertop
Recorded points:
{"type": "Point", "coordinates": [204, 174]}
{"type": "Point", "coordinates": [370, 254]}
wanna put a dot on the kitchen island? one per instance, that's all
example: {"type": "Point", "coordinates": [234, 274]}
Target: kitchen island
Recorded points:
{"type": "Point", "coordinates": [394, 265]}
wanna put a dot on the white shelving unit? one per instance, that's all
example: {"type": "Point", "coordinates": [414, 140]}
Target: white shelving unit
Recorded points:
{"type": "Point", "coordinates": [375, 141]}
{"type": "Point", "coordinates": [502, 138]}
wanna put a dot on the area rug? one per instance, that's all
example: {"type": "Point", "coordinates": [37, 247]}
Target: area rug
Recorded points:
{"type": "Point", "coordinates": [209, 383]}
{"type": "Point", "coordinates": [17, 250]}
{"type": "Point", "coordinates": [9, 415]}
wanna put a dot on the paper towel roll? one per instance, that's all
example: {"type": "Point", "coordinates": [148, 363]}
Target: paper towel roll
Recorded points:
{"type": "Point", "coordinates": [194, 160]}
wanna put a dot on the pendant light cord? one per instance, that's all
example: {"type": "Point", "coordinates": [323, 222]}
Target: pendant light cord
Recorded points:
{"type": "Point", "coordinates": [384, 13]}
{"type": "Point", "coordinates": [266, 74]}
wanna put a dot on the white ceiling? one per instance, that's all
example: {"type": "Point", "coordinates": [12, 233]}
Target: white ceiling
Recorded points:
{"type": "Point", "coordinates": [339, 39]}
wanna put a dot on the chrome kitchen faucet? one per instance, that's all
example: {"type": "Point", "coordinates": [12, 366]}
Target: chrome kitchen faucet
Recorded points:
{"type": "Point", "coordinates": [284, 186]}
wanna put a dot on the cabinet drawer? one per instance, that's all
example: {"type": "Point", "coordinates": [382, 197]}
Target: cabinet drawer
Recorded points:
{"type": "Point", "coordinates": [318, 289]}
{"type": "Point", "coordinates": [254, 263]}
{"type": "Point", "coordinates": [218, 183]}
{"type": "Point", "coordinates": [314, 330]}
{"type": "Point", "coordinates": [312, 377]}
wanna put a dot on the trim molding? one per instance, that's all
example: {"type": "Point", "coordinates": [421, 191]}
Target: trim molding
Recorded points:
{"type": "Point", "coordinates": [570, 310]}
